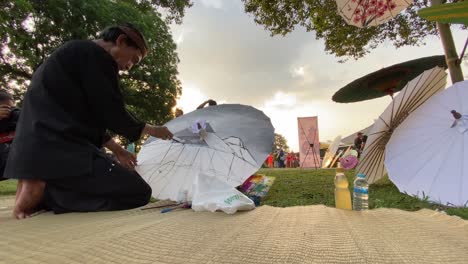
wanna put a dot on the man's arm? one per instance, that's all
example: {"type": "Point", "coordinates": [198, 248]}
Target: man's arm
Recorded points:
{"type": "Point", "coordinates": [157, 131]}
{"type": "Point", "coordinates": [202, 105]}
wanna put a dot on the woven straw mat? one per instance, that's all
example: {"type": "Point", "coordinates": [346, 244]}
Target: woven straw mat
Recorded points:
{"type": "Point", "coordinates": [303, 234]}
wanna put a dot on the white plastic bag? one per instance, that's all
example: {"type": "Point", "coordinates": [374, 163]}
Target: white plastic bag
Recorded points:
{"type": "Point", "coordinates": [211, 194]}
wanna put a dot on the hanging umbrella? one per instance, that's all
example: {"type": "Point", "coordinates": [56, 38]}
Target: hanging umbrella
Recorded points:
{"type": "Point", "coordinates": [447, 13]}
{"type": "Point", "coordinates": [427, 154]}
{"type": "Point", "coordinates": [386, 81]}
{"type": "Point", "coordinates": [229, 142]}
{"type": "Point", "coordinates": [416, 92]}
{"type": "Point", "coordinates": [331, 151]}
{"type": "Point", "coordinates": [365, 13]}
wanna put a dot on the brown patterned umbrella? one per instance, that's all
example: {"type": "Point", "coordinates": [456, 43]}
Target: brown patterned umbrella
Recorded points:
{"type": "Point", "coordinates": [386, 81]}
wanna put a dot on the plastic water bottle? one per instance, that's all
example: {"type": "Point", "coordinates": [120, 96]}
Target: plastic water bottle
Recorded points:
{"type": "Point", "coordinates": [361, 193]}
{"type": "Point", "coordinates": [342, 193]}
{"type": "Point", "coordinates": [131, 147]}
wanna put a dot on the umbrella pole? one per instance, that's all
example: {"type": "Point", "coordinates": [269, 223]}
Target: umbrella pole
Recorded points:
{"type": "Point", "coordinates": [451, 56]}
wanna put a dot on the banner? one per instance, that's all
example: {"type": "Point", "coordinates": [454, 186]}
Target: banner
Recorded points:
{"type": "Point", "coordinates": [309, 145]}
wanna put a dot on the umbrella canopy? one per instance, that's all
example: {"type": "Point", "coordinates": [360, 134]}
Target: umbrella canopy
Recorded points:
{"type": "Point", "coordinates": [331, 151]}
{"type": "Point", "coordinates": [447, 13]}
{"type": "Point", "coordinates": [229, 142]}
{"type": "Point", "coordinates": [416, 92]}
{"type": "Point", "coordinates": [365, 13]}
{"type": "Point", "coordinates": [349, 162]}
{"type": "Point", "coordinates": [428, 153]}
{"type": "Point", "coordinates": [387, 80]}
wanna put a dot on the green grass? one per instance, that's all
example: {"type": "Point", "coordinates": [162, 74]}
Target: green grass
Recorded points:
{"type": "Point", "coordinates": [8, 187]}
{"type": "Point", "coordinates": [305, 187]}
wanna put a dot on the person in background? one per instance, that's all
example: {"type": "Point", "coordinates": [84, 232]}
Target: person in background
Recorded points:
{"type": "Point", "coordinates": [9, 116]}
{"type": "Point", "coordinates": [209, 102]}
{"type": "Point", "coordinates": [363, 145]}
{"type": "Point", "coordinates": [270, 160]}
{"type": "Point", "coordinates": [178, 112]}
{"type": "Point", "coordinates": [289, 159]}
{"type": "Point", "coordinates": [358, 143]}
{"type": "Point", "coordinates": [281, 159]}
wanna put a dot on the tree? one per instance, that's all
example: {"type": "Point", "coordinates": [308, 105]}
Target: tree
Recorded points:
{"type": "Point", "coordinates": [341, 39]}
{"type": "Point", "coordinates": [31, 29]}
{"type": "Point", "coordinates": [176, 8]}
{"type": "Point", "coordinates": [280, 143]}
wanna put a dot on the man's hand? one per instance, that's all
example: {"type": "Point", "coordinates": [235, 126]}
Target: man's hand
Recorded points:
{"type": "Point", "coordinates": [126, 158]}
{"type": "Point", "coordinates": [158, 131]}
{"type": "Point", "coordinates": [5, 111]}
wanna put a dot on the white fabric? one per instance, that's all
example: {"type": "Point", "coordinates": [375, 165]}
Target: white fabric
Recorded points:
{"type": "Point", "coordinates": [229, 142]}
{"type": "Point", "coordinates": [428, 157]}
{"type": "Point", "coordinates": [331, 151]}
{"type": "Point", "coordinates": [416, 92]}
{"type": "Point", "coordinates": [376, 11]}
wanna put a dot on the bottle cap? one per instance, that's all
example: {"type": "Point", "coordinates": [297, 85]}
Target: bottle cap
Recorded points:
{"type": "Point", "coordinates": [361, 175]}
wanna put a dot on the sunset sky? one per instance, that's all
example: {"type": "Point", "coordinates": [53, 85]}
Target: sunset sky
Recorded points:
{"type": "Point", "coordinates": [225, 56]}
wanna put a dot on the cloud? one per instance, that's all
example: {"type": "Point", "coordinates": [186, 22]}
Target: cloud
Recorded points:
{"type": "Point", "coordinates": [180, 38]}
{"type": "Point", "coordinates": [227, 57]}
{"type": "Point", "coordinates": [281, 100]}
{"type": "Point", "coordinates": [191, 97]}
{"type": "Point", "coordinates": [298, 71]}
{"type": "Point", "coordinates": [212, 3]}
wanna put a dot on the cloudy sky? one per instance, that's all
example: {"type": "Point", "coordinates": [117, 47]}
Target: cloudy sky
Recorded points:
{"type": "Point", "coordinates": [227, 57]}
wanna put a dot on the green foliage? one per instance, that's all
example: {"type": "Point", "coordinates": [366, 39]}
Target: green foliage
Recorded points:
{"type": "Point", "coordinates": [294, 187]}
{"type": "Point", "coordinates": [176, 8]}
{"type": "Point", "coordinates": [280, 143]}
{"type": "Point", "coordinates": [31, 30]}
{"type": "Point", "coordinates": [341, 39]}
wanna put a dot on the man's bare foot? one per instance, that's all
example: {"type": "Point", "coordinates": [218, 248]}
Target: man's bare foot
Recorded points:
{"type": "Point", "coordinates": [18, 190]}
{"type": "Point", "coordinates": [29, 197]}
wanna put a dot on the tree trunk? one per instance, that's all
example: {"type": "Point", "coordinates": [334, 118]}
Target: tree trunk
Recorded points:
{"type": "Point", "coordinates": [449, 48]}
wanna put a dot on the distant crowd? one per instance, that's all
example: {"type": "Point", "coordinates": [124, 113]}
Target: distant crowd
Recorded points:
{"type": "Point", "coordinates": [282, 159]}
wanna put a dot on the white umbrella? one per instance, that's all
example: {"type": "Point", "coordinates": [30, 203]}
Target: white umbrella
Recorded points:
{"type": "Point", "coordinates": [229, 142]}
{"type": "Point", "coordinates": [415, 93]}
{"type": "Point", "coordinates": [331, 151]}
{"type": "Point", "coordinates": [427, 155]}
{"type": "Point", "coordinates": [364, 13]}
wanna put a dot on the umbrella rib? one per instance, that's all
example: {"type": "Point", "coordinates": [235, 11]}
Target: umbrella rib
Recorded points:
{"type": "Point", "coordinates": [429, 91]}
{"type": "Point", "coordinates": [370, 157]}
{"type": "Point", "coordinates": [163, 176]}
{"type": "Point", "coordinates": [150, 178]}
{"type": "Point", "coordinates": [190, 164]}
{"type": "Point", "coordinates": [417, 101]}
{"type": "Point", "coordinates": [242, 147]}
{"type": "Point", "coordinates": [418, 93]}
{"type": "Point", "coordinates": [373, 162]}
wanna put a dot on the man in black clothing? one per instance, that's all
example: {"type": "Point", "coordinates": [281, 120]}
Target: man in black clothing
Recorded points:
{"type": "Point", "coordinates": [358, 143]}
{"type": "Point", "coordinates": [9, 115]}
{"type": "Point", "coordinates": [73, 99]}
